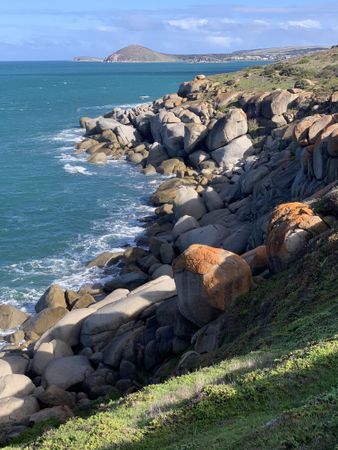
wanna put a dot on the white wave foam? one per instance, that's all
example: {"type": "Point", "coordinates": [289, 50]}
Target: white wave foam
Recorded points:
{"type": "Point", "coordinates": [77, 169]}
{"type": "Point", "coordinates": [69, 135]}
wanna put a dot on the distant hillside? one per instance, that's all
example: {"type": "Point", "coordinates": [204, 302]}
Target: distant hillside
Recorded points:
{"type": "Point", "coordinates": [138, 53]}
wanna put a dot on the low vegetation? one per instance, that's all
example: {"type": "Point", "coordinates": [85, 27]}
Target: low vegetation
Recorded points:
{"type": "Point", "coordinates": [317, 73]}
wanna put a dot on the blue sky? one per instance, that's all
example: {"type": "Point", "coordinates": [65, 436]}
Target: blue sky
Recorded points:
{"type": "Point", "coordinates": [61, 29]}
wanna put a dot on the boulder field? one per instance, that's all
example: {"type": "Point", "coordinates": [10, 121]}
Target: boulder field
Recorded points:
{"type": "Point", "coordinates": [251, 186]}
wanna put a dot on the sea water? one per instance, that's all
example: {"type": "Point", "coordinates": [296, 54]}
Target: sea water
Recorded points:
{"type": "Point", "coordinates": [57, 211]}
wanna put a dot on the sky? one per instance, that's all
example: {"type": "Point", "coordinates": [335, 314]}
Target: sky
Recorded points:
{"type": "Point", "coordinates": [62, 29]}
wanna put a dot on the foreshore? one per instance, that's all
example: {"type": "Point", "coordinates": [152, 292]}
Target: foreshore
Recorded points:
{"type": "Point", "coordinates": [252, 184]}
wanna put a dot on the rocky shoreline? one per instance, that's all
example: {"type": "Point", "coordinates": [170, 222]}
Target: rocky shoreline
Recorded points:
{"type": "Point", "coordinates": [252, 187]}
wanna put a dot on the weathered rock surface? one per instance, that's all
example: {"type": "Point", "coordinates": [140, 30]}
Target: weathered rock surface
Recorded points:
{"type": "Point", "coordinates": [104, 323]}
{"type": "Point", "coordinates": [291, 227]}
{"type": "Point", "coordinates": [228, 128]}
{"type": "Point", "coordinates": [208, 279]}
{"type": "Point", "coordinates": [44, 320]}
{"type": "Point", "coordinates": [13, 364]}
{"type": "Point", "coordinates": [48, 351]}
{"type": "Point", "coordinates": [227, 157]}
{"type": "Point", "coordinates": [56, 396]}
{"type": "Point", "coordinates": [15, 385]}
{"type": "Point", "coordinates": [67, 329]}
{"type": "Point", "coordinates": [54, 296]}
{"type": "Point", "coordinates": [188, 202]}
{"type": "Point", "coordinates": [11, 317]}
{"type": "Point", "coordinates": [68, 371]}
{"type": "Point", "coordinates": [17, 410]}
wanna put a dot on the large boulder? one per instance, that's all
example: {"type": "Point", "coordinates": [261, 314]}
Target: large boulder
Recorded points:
{"type": "Point", "coordinates": [167, 191]}
{"type": "Point", "coordinates": [193, 136]}
{"type": "Point", "coordinates": [68, 371]}
{"type": "Point", "coordinates": [184, 223]}
{"type": "Point", "coordinates": [17, 410]}
{"type": "Point", "coordinates": [188, 88]}
{"type": "Point", "coordinates": [44, 320]}
{"type": "Point", "coordinates": [15, 385]}
{"type": "Point", "coordinates": [173, 137]}
{"type": "Point", "coordinates": [211, 235]}
{"type": "Point", "coordinates": [301, 130]}
{"type": "Point", "coordinates": [67, 329]}
{"type": "Point", "coordinates": [129, 280]}
{"type": "Point", "coordinates": [276, 103]}
{"type": "Point", "coordinates": [114, 296]}
{"type": "Point", "coordinates": [103, 324]}
{"type": "Point", "coordinates": [291, 227]}
{"type": "Point", "coordinates": [11, 317]}
{"type": "Point", "coordinates": [228, 128]}
{"type": "Point", "coordinates": [208, 280]}
{"type": "Point", "coordinates": [157, 154]}
{"type": "Point", "coordinates": [142, 123]}
{"type": "Point", "coordinates": [171, 166]}
{"type": "Point", "coordinates": [48, 351]}
{"type": "Point", "coordinates": [98, 158]}
{"type": "Point", "coordinates": [126, 134]}
{"type": "Point", "coordinates": [227, 157]}
{"type": "Point", "coordinates": [188, 202]}
{"type": "Point", "coordinates": [54, 296]}
{"type": "Point", "coordinates": [55, 396]}
{"type": "Point", "coordinates": [212, 199]}
{"type": "Point", "coordinates": [60, 413]}
{"type": "Point", "coordinates": [13, 364]}
{"type": "Point", "coordinates": [123, 346]}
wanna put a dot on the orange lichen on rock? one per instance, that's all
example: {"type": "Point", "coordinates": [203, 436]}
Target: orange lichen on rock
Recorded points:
{"type": "Point", "coordinates": [291, 226]}
{"type": "Point", "coordinates": [208, 280]}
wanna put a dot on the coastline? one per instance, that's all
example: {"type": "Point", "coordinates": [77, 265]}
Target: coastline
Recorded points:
{"type": "Point", "coordinates": [242, 179]}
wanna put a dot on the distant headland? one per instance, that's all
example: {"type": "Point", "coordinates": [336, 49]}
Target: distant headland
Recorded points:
{"type": "Point", "coordinates": [138, 53]}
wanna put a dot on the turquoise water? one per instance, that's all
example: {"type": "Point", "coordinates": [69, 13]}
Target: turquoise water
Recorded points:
{"type": "Point", "coordinates": [56, 211]}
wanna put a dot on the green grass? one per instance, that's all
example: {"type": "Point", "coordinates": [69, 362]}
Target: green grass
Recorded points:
{"type": "Point", "coordinates": [272, 384]}
{"type": "Point", "coordinates": [320, 67]}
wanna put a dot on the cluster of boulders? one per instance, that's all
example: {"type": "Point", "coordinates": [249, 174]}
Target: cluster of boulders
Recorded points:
{"type": "Point", "coordinates": [231, 214]}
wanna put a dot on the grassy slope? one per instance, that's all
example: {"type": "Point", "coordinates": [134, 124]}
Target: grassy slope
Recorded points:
{"type": "Point", "coordinates": [273, 383]}
{"type": "Point", "coordinates": [321, 68]}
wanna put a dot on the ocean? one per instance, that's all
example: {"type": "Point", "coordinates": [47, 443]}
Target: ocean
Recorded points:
{"type": "Point", "coordinates": [56, 211]}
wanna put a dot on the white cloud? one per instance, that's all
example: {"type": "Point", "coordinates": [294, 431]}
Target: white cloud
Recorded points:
{"type": "Point", "coordinates": [307, 24]}
{"type": "Point", "coordinates": [226, 20]}
{"type": "Point", "coordinates": [187, 24]}
{"type": "Point", "coordinates": [261, 22]}
{"type": "Point", "coordinates": [223, 41]}
{"type": "Point", "coordinates": [106, 29]}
